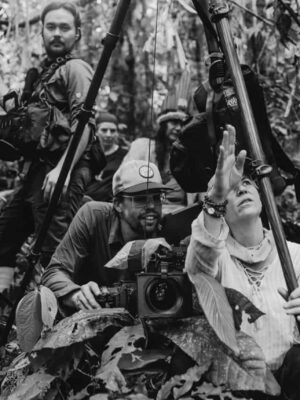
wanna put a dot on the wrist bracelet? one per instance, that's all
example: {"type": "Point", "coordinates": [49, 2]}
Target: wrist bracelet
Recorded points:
{"type": "Point", "coordinates": [216, 210]}
{"type": "Point", "coordinates": [210, 201]}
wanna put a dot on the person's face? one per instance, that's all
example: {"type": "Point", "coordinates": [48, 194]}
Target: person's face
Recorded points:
{"type": "Point", "coordinates": [289, 200]}
{"type": "Point", "coordinates": [173, 129]}
{"type": "Point", "coordinates": [108, 134]}
{"type": "Point", "coordinates": [243, 202]}
{"type": "Point", "coordinates": [142, 212]}
{"type": "Point", "coordinates": [59, 32]}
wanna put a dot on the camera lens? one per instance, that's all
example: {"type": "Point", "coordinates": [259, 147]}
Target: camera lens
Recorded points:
{"type": "Point", "coordinates": [163, 295]}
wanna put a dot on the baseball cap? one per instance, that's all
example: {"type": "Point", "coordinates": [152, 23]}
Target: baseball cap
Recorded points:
{"type": "Point", "coordinates": [137, 176]}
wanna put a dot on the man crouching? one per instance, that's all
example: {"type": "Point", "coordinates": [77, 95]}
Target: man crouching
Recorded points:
{"type": "Point", "coordinates": [99, 230]}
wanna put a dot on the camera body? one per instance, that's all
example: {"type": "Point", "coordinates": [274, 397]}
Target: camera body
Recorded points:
{"type": "Point", "coordinates": [161, 291]}
{"type": "Point", "coordinates": [122, 294]}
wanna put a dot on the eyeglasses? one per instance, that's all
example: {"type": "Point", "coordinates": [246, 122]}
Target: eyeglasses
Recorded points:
{"type": "Point", "coordinates": [142, 200]}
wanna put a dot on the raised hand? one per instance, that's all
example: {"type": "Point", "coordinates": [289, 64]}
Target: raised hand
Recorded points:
{"type": "Point", "coordinates": [229, 170]}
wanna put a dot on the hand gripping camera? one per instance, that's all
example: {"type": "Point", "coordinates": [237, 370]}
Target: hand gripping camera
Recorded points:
{"type": "Point", "coordinates": [163, 290]}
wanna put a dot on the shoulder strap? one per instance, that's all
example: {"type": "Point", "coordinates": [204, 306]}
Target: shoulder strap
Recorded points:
{"type": "Point", "coordinates": [49, 71]}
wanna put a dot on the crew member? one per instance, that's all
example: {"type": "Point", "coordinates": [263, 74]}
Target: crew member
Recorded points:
{"type": "Point", "coordinates": [158, 151]}
{"type": "Point", "coordinates": [60, 93]}
{"type": "Point", "coordinates": [230, 243]}
{"type": "Point", "coordinates": [99, 230]}
{"type": "Point", "coordinates": [107, 133]}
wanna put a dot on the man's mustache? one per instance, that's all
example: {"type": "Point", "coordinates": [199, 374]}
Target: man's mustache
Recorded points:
{"type": "Point", "coordinates": [55, 41]}
{"type": "Point", "coordinates": [149, 212]}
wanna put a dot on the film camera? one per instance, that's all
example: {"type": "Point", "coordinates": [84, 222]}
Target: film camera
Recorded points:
{"type": "Point", "coordinates": [161, 291]}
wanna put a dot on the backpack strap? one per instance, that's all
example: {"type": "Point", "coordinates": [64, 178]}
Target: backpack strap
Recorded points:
{"type": "Point", "coordinates": [49, 71]}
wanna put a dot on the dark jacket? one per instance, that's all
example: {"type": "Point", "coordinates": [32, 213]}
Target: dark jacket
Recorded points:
{"type": "Point", "coordinates": [93, 238]}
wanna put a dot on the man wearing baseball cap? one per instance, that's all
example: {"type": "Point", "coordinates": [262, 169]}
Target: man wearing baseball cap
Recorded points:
{"type": "Point", "coordinates": [99, 230]}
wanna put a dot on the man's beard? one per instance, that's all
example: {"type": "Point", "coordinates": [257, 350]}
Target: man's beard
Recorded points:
{"type": "Point", "coordinates": [140, 226]}
{"type": "Point", "coordinates": [53, 53]}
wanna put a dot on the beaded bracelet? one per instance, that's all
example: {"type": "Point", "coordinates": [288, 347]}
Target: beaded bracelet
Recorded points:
{"type": "Point", "coordinates": [216, 210]}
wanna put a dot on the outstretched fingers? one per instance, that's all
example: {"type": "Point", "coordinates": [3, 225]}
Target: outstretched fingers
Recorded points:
{"type": "Point", "coordinates": [231, 139]}
{"type": "Point", "coordinates": [240, 161]}
{"type": "Point", "coordinates": [220, 162]}
{"type": "Point", "coordinates": [225, 142]}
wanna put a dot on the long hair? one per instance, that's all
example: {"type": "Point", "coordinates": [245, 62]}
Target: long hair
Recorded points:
{"type": "Point", "coordinates": [161, 148]}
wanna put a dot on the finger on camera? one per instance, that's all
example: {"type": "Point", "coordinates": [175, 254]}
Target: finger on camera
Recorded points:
{"type": "Point", "coordinates": [94, 287]}
{"type": "Point", "coordinates": [104, 290]}
{"type": "Point", "coordinates": [82, 302]}
{"type": "Point", "coordinates": [89, 296]}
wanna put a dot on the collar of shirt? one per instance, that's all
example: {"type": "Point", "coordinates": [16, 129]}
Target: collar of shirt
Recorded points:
{"type": "Point", "coordinates": [262, 254]}
{"type": "Point", "coordinates": [115, 234]}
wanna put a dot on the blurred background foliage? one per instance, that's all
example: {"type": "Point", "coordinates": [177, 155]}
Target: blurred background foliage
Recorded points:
{"type": "Point", "coordinates": [266, 34]}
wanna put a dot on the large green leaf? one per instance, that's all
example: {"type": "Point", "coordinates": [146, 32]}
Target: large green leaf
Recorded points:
{"type": "Point", "coordinates": [142, 358]}
{"type": "Point", "coordinates": [126, 341]}
{"type": "Point", "coordinates": [214, 303]}
{"type": "Point", "coordinates": [49, 306]}
{"type": "Point", "coordinates": [82, 326]}
{"type": "Point", "coordinates": [179, 385]}
{"type": "Point", "coordinates": [34, 387]}
{"type": "Point", "coordinates": [15, 375]}
{"type": "Point", "coordinates": [35, 313]}
{"type": "Point", "coordinates": [247, 371]}
{"type": "Point", "coordinates": [29, 320]}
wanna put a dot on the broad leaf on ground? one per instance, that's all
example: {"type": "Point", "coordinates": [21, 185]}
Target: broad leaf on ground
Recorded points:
{"type": "Point", "coordinates": [219, 392]}
{"type": "Point", "coordinates": [214, 303]}
{"type": "Point", "coordinates": [126, 341]}
{"type": "Point", "coordinates": [142, 357]}
{"type": "Point", "coordinates": [248, 371]}
{"type": "Point", "coordinates": [82, 326]}
{"type": "Point", "coordinates": [179, 385]}
{"type": "Point", "coordinates": [28, 320]}
{"type": "Point", "coordinates": [49, 306]}
{"type": "Point", "coordinates": [34, 386]}
{"type": "Point", "coordinates": [16, 374]}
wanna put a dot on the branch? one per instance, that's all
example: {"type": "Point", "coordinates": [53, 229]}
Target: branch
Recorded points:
{"type": "Point", "coordinates": [292, 94]}
{"type": "Point", "coordinates": [291, 11]}
{"type": "Point", "coordinates": [265, 20]}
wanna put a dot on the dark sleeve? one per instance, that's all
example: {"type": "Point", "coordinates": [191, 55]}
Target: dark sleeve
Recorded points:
{"type": "Point", "coordinates": [70, 255]}
{"type": "Point", "coordinates": [78, 76]}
